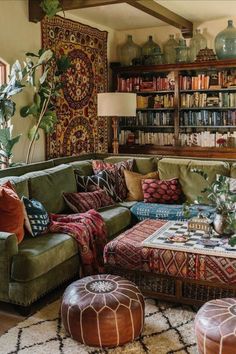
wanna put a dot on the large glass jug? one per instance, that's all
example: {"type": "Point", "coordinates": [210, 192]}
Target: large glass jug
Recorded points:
{"type": "Point", "coordinates": [169, 50]}
{"type": "Point", "coordinates": [225, 42]}
{"type": "Point", "coordinates": [129, 52]}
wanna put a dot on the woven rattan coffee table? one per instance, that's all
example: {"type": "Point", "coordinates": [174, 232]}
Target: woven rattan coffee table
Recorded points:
{"type": "Point", "coordinates": [180, 274]}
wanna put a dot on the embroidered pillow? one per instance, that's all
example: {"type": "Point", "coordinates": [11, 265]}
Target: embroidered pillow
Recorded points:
{"type": "Point", "coordinates": [117, 171]}
{"type": "Point", "coordinates": [162, 191]}
{"type": "Point", "coordinates": [133, 182]}
{"type": "Point", "coordinates": [82, 202]}
{"type": "Point", "coordinates": [11, 211]}
{"type": "Point", "coordinates": [36, 217]}
{"type": "Point", "coordinates": [103, 180]}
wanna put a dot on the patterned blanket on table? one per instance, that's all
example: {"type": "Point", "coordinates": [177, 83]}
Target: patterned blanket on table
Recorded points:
{"type": "Point", "coordinates": [90, 232]}
{"type": "Point", "coordinates": [127, 251]}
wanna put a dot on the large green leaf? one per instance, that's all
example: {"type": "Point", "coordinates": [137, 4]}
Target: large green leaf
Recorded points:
{"type": "Point", "coordinates": [33, 133]}
{"type": "Point", "coordinates": [50, 7]}
{"type": "Point", "coordinates": [45, 57]}
{"type": "Point", "coordinates": [48, 121]}
{"type": "Point", "coordinates": [63, 64]}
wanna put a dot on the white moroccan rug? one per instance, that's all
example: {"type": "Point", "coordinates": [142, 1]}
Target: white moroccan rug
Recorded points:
{"type": "Point", "coordinates": [168, 330]}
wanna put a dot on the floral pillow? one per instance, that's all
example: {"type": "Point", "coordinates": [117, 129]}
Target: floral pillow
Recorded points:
{"type": "Point", "coordinates": [162, 191]}
{"type": "Point", "coordinates": [117, 172]}
{"type": "Point", "coordinates": [103, 180]}
{"type": "Point", "coordinates": [82, 202]}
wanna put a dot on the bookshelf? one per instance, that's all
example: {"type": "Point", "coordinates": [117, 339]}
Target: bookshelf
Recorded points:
{"type": "Point", "coordinates": [182, 109]}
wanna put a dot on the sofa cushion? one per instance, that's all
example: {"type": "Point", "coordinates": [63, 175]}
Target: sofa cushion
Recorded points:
{"type": "Point", "coordinates": [36, 217]}
{"type": "Point", "coordinates": [233, 170]}
{"type": "Point", "coordinates": [48, 186]}
{"type": "Point", "coordinates": [133, 182]}
{"type": "Point", "coordinates": [23, 169]}
{"type": "Point", "coordinates": [142, 165]}
{"type": "Point", "coordinates": [20, 184]}
{"type": "Point", "coordinates": [83, 168]}
{"type": "Point", "coordinates": [37, 256]}
{"type": "Point", "coordinates": [143, 211]}
{"type": "Point", "coordinates": [117, 218]}
{"type": "Point", "coordinates": [192, 184]}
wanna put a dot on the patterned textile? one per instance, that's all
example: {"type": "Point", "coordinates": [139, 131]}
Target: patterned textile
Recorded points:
{"type": "Point", "coordinates": [103, 180]}
{"type": "Point", "coordinates": [78, 129]}
{"type": "Point", "coordinates": [162, 191]}
{"type": "Point", "coordinates": [144, 211]}
{"type": "Point", "coordinates": [82, 202]}
{"type": "Point", "coordinates": [127, 252]}
{"type": "Point", "coordinates": [133, 181]}
{"type": "Point", "coordinates": [90, 232]}
{"type": "Point", "coordinates": [117, 170]}
{"type": "Point", "coordinates": [36, 217]}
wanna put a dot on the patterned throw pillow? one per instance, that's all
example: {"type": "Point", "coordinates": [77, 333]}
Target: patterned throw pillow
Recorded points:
{"type": "Point", "coordinates": [36, 217]}
{"type": "Point", "coordinates": [162, 191]}
{"type": "Point", "coordinates": [117, 171]}
{"type": "Point", "coordinates": [103, 180]}
{"type": "Point", "coordinates": [82, 202]}
{"type": "Point", "coordinates": [133, 182]}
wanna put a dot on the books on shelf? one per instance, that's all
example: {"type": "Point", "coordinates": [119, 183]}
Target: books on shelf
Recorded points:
{"type": "Point", "coordinates": [200, 99]}
{"type": "Point", "coordinates": [143, 138]}
{"type": "Point", "coordinates": [148, 118]}
{"type": "Point", "coordinates": [204, 117]}
{"type": "Point", "coordinates": [204, 138]}
{"type": "Point", "coordinates": [155, 101]}
{"type": "Point", "coordinates": [145, 83]}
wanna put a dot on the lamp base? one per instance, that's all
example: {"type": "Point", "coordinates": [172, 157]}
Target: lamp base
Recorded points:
{"type": "Point", "coordinates": [115, 143]}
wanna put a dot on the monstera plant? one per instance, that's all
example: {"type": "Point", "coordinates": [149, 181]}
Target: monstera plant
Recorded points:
{"type": "Point", "coordinates": [45, 91]}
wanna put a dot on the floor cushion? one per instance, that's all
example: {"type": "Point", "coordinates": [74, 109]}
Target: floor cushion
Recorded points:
{"type": "Point", "coordinates": [143, 211]}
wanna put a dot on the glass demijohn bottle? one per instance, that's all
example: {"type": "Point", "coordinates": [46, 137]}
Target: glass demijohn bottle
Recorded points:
{"type": "Point", "coordinates": [225, 42]}
{"type": "Point", "coordinates": [129, 51]}
{"type": "Point", "coordinates": [169, 50]}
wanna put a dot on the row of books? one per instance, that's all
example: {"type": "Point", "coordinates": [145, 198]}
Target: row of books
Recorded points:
{"type": "Point", "coordinates": [197, 99]}
{"type": "Point", "coordinates": [204, 138]}
{"type": "Point", "coordinates": [148, 119]}
{"type": "Point", "coordinates": [205, 81]}
{"type": "Point", "coordinates": [150, 83]}
{"type": "Point", "coordinates": [143, 138]}
{"type": "Point", "coordinates": [156, 101]}
{"type": "Point", "coordinates": [204, 117]}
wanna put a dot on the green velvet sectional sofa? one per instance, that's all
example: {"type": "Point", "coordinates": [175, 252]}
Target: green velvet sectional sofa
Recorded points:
{"type": "Point", "coordinates": [37, 265]}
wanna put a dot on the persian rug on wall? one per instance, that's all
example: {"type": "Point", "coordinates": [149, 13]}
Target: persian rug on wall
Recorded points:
{"type": "Point", "coordinates": [78, 129]}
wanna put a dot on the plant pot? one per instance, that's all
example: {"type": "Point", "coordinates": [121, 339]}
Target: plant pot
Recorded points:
{"type": "Point", "coordinates": [220, 224]}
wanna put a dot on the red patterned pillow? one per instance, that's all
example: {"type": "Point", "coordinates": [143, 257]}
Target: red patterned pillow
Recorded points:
{"type": "Point", "coordinates": [81, 202]}
{"type": "Point", "coordinates": [117, 172]}
{"type": "Point", "coordinates": [162, 191]}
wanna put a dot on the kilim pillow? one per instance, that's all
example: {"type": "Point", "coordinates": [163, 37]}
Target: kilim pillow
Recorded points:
{"type": "Point", "coordinates": [36, 217]}
{"type": "Point", "coordinates": [81, 202]}
{"type": "Point", "coordinates": [133, 182]}
{"type": "Point", "coordinates": [11, 211]}
{"type": "Point", "coordinates": [117, 170]}
{"type": "Point", "coordinates": [162, 191]}
{"type": "Point", "coordinates": [103, 180]}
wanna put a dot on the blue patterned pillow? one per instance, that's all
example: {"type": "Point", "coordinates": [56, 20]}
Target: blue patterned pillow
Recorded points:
{"type": "Point", "coordinates": [36, 217]}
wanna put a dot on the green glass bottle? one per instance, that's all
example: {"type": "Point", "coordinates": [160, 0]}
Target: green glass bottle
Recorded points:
{"type": "Point", "coordinates": [169, 50]}
{"type": "Point", "coordinates": [129, 51]}
{"type": "Point", "coordinates": [225, 42]}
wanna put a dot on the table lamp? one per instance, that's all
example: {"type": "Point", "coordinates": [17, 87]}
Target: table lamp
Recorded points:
{"type": "Point", "coordinates": [116, 105]}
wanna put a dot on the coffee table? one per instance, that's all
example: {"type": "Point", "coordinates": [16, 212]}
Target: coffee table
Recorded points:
{"type": "Point", "coordinates": [187, 274]}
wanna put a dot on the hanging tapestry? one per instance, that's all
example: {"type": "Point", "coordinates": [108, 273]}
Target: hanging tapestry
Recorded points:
{"type": "Point", "coordinates": [78, 129]}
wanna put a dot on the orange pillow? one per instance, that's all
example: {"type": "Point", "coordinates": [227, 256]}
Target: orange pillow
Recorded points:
{"type": "Point", "coordinates": [11, 211]}
{"type": "Point", "coordinates": [133, 182]}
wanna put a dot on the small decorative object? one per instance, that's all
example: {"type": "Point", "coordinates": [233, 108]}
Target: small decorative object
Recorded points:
{"type": "Point", "coordinates": [182, 52]}
{"type": "Point", "coordinates": [169, 50]}
{"type": "Point", "coordinates": [178, 238]}
{"type": "Point", "coordinates": [225, 42]}
{"type": "Point", "coordinates": [231, 141]}
{"type": "Point", "coordinates": [209, 243]}
{"type": "Point", "coordinates": [149, 49]}
{"type": "Point", "coordinates": [221, 142]}
{"type": "Point", "coordinates": [129, 51]}
{"type": "Point", "coordinates": [205, 54]}
{"type": "Point", "coordinates": [197, 42]}
{"type": "Point", "coordinates": [201, 223]}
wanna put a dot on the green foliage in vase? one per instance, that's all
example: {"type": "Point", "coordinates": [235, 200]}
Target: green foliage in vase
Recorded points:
{"type": "Point", "coordinates": [45, 90]}
{"type": "Point", "coordinates": [51, 7]}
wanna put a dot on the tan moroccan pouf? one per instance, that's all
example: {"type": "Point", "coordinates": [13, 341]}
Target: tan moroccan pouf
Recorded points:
{"type": "Point", "coordinates": [215, 327]}
{"type": "Point", "coordinates": [103, 310]}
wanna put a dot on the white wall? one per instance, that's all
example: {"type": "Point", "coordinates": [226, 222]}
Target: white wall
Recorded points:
{"type": "Point", "coordinates": [18, 36]}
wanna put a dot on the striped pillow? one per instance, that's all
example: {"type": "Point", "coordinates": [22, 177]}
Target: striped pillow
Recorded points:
{"type": "Point", "coordinates": [82, 202]}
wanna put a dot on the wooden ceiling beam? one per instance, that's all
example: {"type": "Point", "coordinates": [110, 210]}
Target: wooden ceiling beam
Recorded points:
{"type": "Point", "coordinates": [162, 13]}
{"type": "Point", "coordinates": [36, 14]}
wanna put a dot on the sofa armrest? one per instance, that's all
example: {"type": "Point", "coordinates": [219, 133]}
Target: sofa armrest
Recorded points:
{"type": "Point", "coordinates": [8, 248]}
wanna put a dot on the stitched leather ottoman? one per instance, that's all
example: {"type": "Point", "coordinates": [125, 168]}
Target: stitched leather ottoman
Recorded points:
{"type": "Point", "coordinates": [215, 326]}
{"type": "Point", "coordinates": [103, 310]}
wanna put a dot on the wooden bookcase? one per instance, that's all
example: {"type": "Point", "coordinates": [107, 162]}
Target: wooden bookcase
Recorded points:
{"type": "Point", "coordinates": [183, 109]}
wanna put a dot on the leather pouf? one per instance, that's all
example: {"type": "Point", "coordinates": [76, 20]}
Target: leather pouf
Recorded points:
{"type": "Point", "coordinates": [215, 327]}
{"type": "Point", "coordinates": [103, 310]}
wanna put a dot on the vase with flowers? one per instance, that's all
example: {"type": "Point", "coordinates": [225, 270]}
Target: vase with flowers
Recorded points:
{"type": "Point", "coordinates": [222, 196]}
{"type": "Point", "coordinates": [221, 142]}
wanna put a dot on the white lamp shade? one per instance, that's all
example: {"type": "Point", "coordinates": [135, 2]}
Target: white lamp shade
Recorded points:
{"type": "Point", "coordinates": [116, 104]}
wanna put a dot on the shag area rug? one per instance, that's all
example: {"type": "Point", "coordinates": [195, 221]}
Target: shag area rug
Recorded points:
{"type": "Point", "coordinates": [168, 330]}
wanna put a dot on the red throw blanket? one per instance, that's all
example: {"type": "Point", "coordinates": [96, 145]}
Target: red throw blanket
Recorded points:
{"type": "Point", "coordinates": [90, 232]}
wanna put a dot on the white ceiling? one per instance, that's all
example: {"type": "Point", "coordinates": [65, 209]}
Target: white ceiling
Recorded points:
{"type": "Point", "coordinates": [124, 17]}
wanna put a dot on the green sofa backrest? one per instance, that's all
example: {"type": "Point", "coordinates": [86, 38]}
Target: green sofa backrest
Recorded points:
{"type": "Point", "coordinates": [142, 165]}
